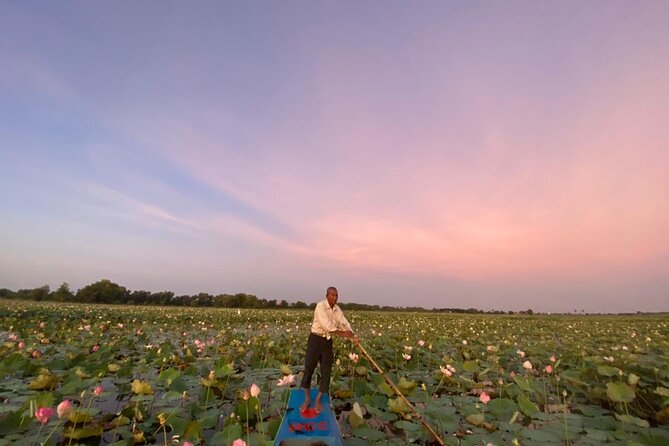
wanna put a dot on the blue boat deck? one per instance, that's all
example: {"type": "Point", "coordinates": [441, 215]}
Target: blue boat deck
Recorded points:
{"type": "Point", "coordinates": [309, 428]}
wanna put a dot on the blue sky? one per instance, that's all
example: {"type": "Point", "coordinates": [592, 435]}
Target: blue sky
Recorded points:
{"type": "Point", "coordinates": [496, 155]}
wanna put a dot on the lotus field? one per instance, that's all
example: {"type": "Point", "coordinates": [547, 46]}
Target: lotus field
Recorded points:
{"type": "Point", "coordinates": [124, 375]}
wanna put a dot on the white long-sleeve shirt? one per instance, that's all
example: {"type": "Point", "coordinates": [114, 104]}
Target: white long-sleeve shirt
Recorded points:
{"type": "Point", "coordinates": [328, 320]}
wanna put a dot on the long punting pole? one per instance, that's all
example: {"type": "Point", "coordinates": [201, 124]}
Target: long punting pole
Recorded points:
{"type": "Point", "coordinates": [399, 393]}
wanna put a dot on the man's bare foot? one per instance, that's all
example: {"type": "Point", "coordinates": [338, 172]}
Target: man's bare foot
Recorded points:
{"type": "Point", "coordinates": [307, 401]}
{"type": "Point", "coordinates": [318, 406]}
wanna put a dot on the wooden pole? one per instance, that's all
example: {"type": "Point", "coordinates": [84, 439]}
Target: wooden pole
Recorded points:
{"type": "Point", "coordinates": [399, 393]}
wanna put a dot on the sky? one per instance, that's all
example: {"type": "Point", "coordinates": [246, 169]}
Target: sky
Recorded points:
{"type": "Point", "coordinates": [495, 155]}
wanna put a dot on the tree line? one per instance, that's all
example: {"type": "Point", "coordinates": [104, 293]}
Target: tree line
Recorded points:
{"type": "Point", "coordinates": [107, 292]}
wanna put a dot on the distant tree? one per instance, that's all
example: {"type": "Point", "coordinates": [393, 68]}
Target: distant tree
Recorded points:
{"type": "Point", "coordinates": [103, 291]}
{"type": "Point", "coordinates": [63, 293]}
{"type": "Point", "coordinates": [40, 293]}
{"type": "Point", "coordinates": [162, 298]}
{"type": "Point", "coordinates": [139, 297]}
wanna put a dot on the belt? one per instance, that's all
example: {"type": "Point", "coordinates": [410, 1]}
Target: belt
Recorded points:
{"type": "Point", "coordinates": [321, 335]}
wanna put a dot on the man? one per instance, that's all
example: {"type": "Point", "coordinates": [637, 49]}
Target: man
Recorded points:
{"type": "Point", "coordinates": [328, 321]}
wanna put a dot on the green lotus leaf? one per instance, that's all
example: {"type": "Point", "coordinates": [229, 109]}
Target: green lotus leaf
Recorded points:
{"type": "Point", "coordinates": [397, 405]}
{"type": "Point", "coordinates": [355, 420]}
{"type": "Point", "coordinates": [79, 416]}
{"type": "Point", "coordinates": [193, 431]}
{"type": "Point", "coordinates": [406, 386]}
{"type": "Point", "coordinates": [527, 406]}
{"type": "Point", "coordinates": [368, 434]}
{"type": "Point", "coordinates": [662, 391]}
{"type": "Point", "coordinates": [619, 392]}
{"type": "Point", "coordinates": [470, 366]}
{"type": "Point", "coordinates": [629, 419]}
{"type": "Point", "coordinates": [88, 431]}
{"type": "Point", "coordinates": [141, 387]}
{"type": "Point", "coordinates": [523, 383]}
{"type": "Point", "coordinates": [476, 419]}
{"type": "Point", "coordinates": [45, 381]}
{"type": "Point", "coordinates": [386, 389]}
{"type": "Point", "coordinates": [607, 370]}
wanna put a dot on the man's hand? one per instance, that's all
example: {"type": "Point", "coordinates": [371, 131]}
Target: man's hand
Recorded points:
{"type": "Point", "coordinates": [349, 334]}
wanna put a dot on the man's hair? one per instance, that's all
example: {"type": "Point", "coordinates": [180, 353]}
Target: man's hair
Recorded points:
{"type": "Point", "coordinates": [331, 288]}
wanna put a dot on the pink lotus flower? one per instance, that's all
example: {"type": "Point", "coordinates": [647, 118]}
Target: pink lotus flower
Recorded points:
{"type": "Point", "coordinates": [548, 368]}
{"type": "Point", "coordinates": [245, 394]}
{"type": "Point", "coordinates": [95, 348]}
{"type": "Point", "coordinates": [64, 408]}
{"type": "Point", "coordinates": [354, 357]}
{"type": "Point", "coordinates": [22, 345]}
{"type": "Point", "coordinates": [43, 414]}
{"type": "Point", "coordinates": [445, 371]}
{"type": "Point", "coordinates": [421, 342]}
{"type": "Point", "coordinates": [520, 353]}
{"type": "Point", "coordinates": [98, 390]}
{"type": "Point", "coordinates": [287, 380]}
{"type": "Point", "coordinates": [187, 443]}
{"type": "Point", "coordinates": [255, 390]}
{"type": "Point", "coordinates": [552, 358]}
{"type": "Point", "coordinates": [408, 348]}
{"type": "Point", "coordinates": [485, 398]}
{"type": "Point", "coordinates": [405, 356]}
{"type": "Point", "coordinates": [527, 365]}
{"type": "Point", "coordinates": [239, 442]}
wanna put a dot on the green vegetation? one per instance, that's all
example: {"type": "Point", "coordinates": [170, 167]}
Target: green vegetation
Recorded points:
{"type": "Point", "coordinates": [167, 375]}
{"type": "Point", "coordinates": [107, 292]}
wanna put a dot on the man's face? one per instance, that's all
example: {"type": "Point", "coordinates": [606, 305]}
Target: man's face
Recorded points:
{"type": "Point", "coordinates": [332, 297]}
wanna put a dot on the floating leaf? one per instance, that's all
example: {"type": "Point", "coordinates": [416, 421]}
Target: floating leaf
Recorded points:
{"type": "Point", "coordinates": [523, 383]}
{"type": "Point", "coordinates": [527, 406]}
{"type": "Point", "coordinates": [470, 366]}
{"type": "Point", "coordinates": [397, 405]}
{"type": "Point", "coordinates": [662, 391]}
{"type": "Point", "coordinates": [406, 386]}
{"type": "Point", "coordinates": [619, 392]}
{"type": "Point", "coordinates": [386, 389]}
{"type": "Point", "coordinates": [629, 419]}
{"type": "Point", "coordinates": [44, 381]}
{"type": "Point", "coordinates": [475, 419]}
{"type": "Point", "coordinates": [88, 431]}
{"type": "Point", "coordinates": [368, 434]}
{"type": "Point", "coordinates": [79, 416]}
{"type": "Point", "coordinates": [607, 370]}
{"type": "Point", "coordinates": [141, 387]}
{"type": "Point", "coordinates": [355, 420]}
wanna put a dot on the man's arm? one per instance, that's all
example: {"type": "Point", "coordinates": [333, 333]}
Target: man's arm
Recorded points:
{"type": "Point", "coordinates": [347, 331]}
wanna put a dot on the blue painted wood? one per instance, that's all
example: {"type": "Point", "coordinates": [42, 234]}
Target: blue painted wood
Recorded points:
{"type": "Point", "coordinates": [308, 429]}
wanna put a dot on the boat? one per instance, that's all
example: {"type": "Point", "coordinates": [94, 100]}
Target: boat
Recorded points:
{"type": "Point", "coordinates": [308, 428]}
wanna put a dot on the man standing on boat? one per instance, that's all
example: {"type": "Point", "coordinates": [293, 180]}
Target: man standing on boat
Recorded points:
{"type": "Point", "coordinates": [328, 320]}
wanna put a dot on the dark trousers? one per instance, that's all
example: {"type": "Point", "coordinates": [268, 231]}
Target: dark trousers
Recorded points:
{"type": "Point", "coordinates": [319, 349]}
